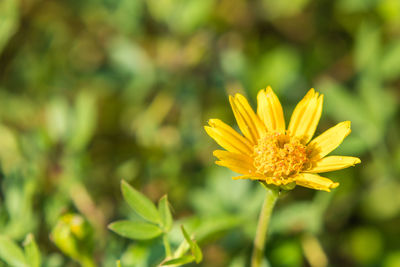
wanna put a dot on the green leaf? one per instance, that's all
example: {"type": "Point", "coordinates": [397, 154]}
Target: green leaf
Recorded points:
{"type": "Point", "coordinates": [135, 230]}
{"type": "Point", "coordinates": [198, 255]}
{"type": "Point", "coordinates": [11, 253]}
{"type": "Point", "coordinates": [196, 251]}
{"type": "Point", "coordinates": [181, 260]}
{"type": "Point", "coordinates": [118, 263]}
{"type": "Point", "coordinates": [140, 203]}
{"type": "Point", "coordinates": [32, 252]}
{"type": "Point", "coordinates": [165, 213]}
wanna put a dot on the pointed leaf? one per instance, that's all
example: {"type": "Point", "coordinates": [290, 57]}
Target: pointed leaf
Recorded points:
{"type": "Point", "coordinates": [181, 260]}
{"type": "Point", "coordinates": [198, 255]}
{"type": "Point", "coordinates": [11, 253]}
{"type": "Point", "coordinates": [140, 203]}
{"type": "Point", "coordinates": [196, 251]}
{"type": "Point", "coordinates": [135, 230]}
{"type": "Point", "coordinates": [165, 213]}
{"type": "Point", "coordinates": [32, 252]}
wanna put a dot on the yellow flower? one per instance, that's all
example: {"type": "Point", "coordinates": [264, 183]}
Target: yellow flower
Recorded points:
{"type": "Point", "coordinates": [269, 152]}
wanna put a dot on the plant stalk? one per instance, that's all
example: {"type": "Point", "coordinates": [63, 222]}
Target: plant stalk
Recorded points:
{"type": "Point", "coordinates": [167, 246]}
{"type": "Point", "coordinates": [262, 227]}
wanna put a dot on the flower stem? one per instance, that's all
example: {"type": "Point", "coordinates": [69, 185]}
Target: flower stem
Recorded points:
{"type": "Point", "coordinates": [262, 227]}
{"type": "Point", "coordinates": [167, 246]}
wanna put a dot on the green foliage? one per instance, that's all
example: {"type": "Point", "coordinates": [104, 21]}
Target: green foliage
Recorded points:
{"type": "Point", "coordinates": [136, 230]}
{"type": "Point", "coordinates": [32, 252]}
{"type": "Point", "coordinates": [139, 203]}
{"type": "Point", "coordinates": [11, 253]}
{"type": "Point", "coordinates": [165, 214]}
{"type": "Point", "coordinates": [193, 246]}
{"type": "Point", "coordinates": [14, 256]}
{"type": "Point", "coordinates": [158, 222]}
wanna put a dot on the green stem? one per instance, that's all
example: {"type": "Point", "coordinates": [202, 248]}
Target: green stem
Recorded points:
{"type": "Point", "coordinates": [167, 246]}
{"type": "Point", "coordinates": [262, 227]}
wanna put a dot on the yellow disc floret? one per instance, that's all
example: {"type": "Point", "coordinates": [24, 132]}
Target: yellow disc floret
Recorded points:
{"type": "Point", "coordinates": [278, 157]}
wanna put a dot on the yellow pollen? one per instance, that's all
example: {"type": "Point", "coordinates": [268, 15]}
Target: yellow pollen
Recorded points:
{"type": "Point", "coordinates": [279, 156]}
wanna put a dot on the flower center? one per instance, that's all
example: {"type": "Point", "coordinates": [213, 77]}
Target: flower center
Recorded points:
{"type": "Point", "coordinates": [279, 155]}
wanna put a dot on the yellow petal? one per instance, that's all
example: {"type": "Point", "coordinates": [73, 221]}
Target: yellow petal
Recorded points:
{"type": "Point", "coordinates": [251, 177]}
{"type": "Point", "coordinates": [333, 163]}
{"type": "Point", "coordinates": [306, 116]}
{"type": "Point", "coordinates": [298, 111]}
{"type": "Point", "coordinates": [248, 122]}
{"type": "Point", "coordinates": [236, 162]}
{"type": "Point", "coordinates": [315, 181]}
{"type": "Point", "coordinates": [269, 109]}
{"type": "Point", "coordinates": [228, 138]}
{"type": "Point", "coordinates": [245, 145]}
{"type": "Point", "coordinates": [229, 156]}
{"type": "Point", "coordinates": [328, 140]}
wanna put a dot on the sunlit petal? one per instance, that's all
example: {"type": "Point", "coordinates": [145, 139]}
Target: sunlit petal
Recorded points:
{"type": "Point", "coordinates": [239, 141]}
{"type": "Point", "coordinates": [306, 115]}
{"type": "Point", "coordinates": [329, 140]}
{"type": "Point", "coordinates": [248, 122]}
{"type": "Point", "coordinates": [242, 177]}
{"type": "Point", "coordinates": [315, 181]}
{"type": "Point", "coordinates": [269, 109]}
{"type": "Point", "coordinates": [229, 156]}
{"type": "Point", "coordinates": [333, 163]}
{"type": "Point", "coordinates": [236, 162]}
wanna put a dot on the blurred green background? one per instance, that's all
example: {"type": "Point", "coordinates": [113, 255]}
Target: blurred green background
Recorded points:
{"type": "Point", "coordinates": [92, 92]}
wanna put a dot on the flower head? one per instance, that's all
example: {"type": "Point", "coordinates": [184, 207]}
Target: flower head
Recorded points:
{"type": "Point", "coordinates": [269, 152]}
